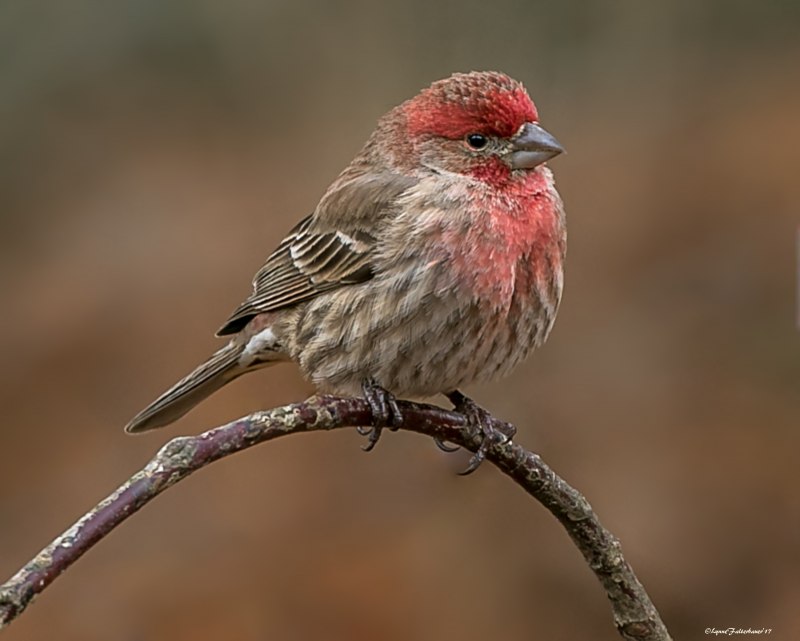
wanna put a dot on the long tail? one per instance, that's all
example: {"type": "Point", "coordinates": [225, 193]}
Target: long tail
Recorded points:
{"type": "Point", "coordinates": [206, 379]}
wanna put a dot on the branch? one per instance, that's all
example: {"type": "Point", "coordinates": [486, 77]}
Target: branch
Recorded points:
{"type": "Point", "coordinates": [634, 614]}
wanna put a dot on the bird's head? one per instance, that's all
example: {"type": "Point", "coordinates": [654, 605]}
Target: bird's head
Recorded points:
{"type": "Point", "coordinates": [479, 124]}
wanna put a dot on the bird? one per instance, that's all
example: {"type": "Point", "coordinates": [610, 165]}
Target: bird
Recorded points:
{"type": "Point", "coordinates": [433, 261]}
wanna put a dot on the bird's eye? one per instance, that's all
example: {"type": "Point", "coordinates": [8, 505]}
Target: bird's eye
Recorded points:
{"type": "Point", "coordinates": [476, 141]}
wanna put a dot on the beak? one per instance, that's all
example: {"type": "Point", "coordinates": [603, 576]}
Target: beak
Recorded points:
{"type": "Point", "coordinates": [532, 146]}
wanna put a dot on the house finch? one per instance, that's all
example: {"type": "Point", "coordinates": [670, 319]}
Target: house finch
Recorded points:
{"type": "Point", "coordinates": [433, 261]}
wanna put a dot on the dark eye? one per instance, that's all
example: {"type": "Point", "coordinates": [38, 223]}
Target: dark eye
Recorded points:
{"type": "Point", "coordinates": [477, 141]}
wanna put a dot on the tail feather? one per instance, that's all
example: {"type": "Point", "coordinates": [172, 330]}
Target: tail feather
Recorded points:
{"type": "Point", "coordinates": [206, 379]}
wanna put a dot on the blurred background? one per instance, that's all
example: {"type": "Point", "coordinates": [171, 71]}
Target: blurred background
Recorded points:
{"type": "Point", "coordinates": [152, 154]}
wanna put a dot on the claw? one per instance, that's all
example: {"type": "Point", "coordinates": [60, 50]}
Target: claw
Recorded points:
{"type": "Point", "coordinates": [476, 459]}
{"type": "Point", "coordinates": [442, 445]}
{"type": "Point", "coordinates": [385, 412]}
{"type": "Point", "coordinates": [480, 418]}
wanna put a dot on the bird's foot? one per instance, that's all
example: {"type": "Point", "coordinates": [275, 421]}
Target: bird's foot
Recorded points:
{"type": "Point", "coordinates": [385, 412]}
{"type": "Point", "coordinates": [477, 417]}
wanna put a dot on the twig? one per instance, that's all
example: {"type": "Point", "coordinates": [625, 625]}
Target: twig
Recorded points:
{"type": "Point", "coordinates": [634, 614]}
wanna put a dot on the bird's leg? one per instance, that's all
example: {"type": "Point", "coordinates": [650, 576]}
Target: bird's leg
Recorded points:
{"type": "Point", "coordinates": [479, 418]}
{"type": "Point", "coordinates": [385, 412]}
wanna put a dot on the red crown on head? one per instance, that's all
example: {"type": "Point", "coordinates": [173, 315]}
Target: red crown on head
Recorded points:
{"type": "Point", "coordinates": [484, 102]}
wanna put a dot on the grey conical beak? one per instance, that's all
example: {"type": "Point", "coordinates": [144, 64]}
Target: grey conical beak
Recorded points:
{"type": "Point", "coordinates": [532, 146]}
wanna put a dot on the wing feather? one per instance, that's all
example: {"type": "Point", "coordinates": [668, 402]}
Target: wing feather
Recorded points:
{"type": "Point", "coordinates": [326, 250]}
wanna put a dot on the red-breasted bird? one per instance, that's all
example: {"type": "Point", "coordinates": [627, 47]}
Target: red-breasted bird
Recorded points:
{"type": "Point", "coordinates": [433, 261]}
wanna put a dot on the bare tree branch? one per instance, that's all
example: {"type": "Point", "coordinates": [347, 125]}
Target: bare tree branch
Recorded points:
{"type": "Point", "coordinates": [634, 614]}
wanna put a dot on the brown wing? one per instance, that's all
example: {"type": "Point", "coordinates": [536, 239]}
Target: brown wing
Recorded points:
{"type": "Point", "coordinates": [326, 250]}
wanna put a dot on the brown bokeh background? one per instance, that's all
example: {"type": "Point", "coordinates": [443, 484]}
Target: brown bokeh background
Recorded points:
{"type": "Point", "coordinates": [152, 154]}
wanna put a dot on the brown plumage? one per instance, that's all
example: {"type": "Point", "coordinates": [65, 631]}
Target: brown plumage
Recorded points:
{"type": "Point", "coordinates": [433, 261]}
